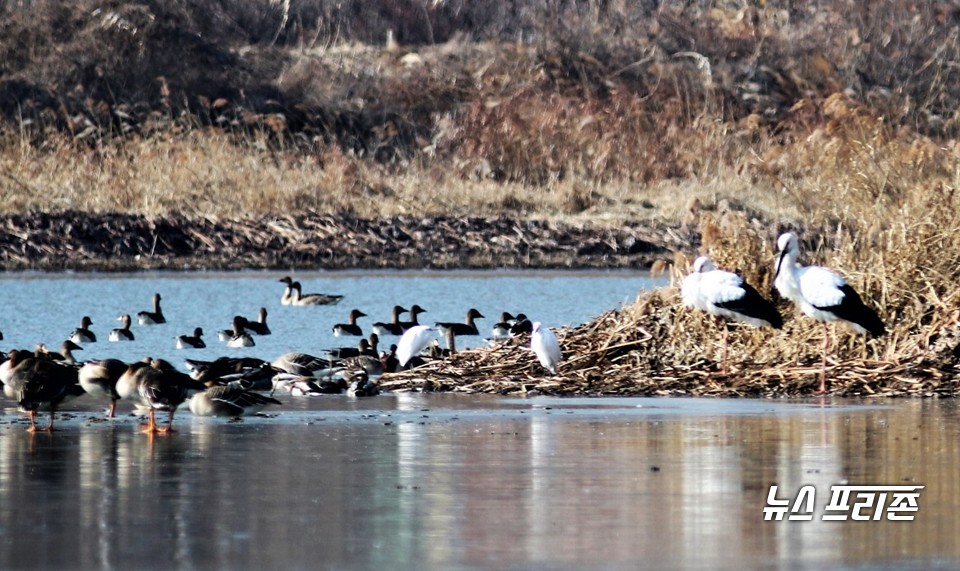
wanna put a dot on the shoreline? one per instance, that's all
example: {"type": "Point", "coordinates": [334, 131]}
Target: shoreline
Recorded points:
{"type": "Point", "coordinates": [111, 242]}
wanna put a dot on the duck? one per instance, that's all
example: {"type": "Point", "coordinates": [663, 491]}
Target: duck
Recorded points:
{"type": "Point", "coordinates": [99, 379]}
{"type": "Point", "coordinates": [82, 334]}
{"type": "Point", "coordinates": [37, 382]}
{"type": "Point", "coordinates": [351, 327]}
{"type": "Point", "coordinates": [468, 327]}
{"type": "Point", "coordinates": [123, 333]}
{"type": "Point", "coordinates": [240, 337]}
{"type": "Point", "coordinates": [194, 341]}
{"type": "Point", "coordinates": [393, 327]}
{"type": "Point", "coordinates": [229, 401]}
{"type": "Point", "coordinates": [154, 317]}
{"type": "Point", "coordinates": [297, 297]}
{"type": "Point", "coordinates": [260, 325]}
{"type": "Point", "coordinates": [414, 311]}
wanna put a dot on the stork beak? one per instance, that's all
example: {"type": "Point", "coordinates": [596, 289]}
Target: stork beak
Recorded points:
{"type": "Point", "coordinates": [783, 253]}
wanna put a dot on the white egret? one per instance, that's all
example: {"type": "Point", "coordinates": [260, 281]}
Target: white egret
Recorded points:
{"type": "Point", "coordinates": [413, 341]}
{"type": "Point", "coordinates": [544, 344]}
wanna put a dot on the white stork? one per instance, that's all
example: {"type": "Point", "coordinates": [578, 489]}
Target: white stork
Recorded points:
{"type": "Point", "coordinates": [823, 295]}
{"type": "Point", "coordinates": [725, 294]}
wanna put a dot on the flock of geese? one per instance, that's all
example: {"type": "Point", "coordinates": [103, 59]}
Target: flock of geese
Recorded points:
{"type": "Point", "coordinates": [236, 386]}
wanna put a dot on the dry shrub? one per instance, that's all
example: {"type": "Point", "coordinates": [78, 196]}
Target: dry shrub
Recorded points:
{"type": "Point", "coordinates": [539, 139]}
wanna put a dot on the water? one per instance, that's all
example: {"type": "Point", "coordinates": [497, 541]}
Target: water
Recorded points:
{"type": "Point", "coordinates": [412, 481]}
{"type": "Point", "coordinates": [45, 308]}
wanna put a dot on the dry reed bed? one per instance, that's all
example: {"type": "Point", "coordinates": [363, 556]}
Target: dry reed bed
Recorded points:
{"type": "Point", "coordinates": [657, 348]}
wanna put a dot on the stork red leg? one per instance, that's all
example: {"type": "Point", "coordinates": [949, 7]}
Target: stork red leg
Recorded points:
{"type": "Point", "coordinates": [823, 369]}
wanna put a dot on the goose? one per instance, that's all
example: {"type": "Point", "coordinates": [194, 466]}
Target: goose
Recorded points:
{"type": "Point", "coordinates": [82, 334]}
{"type": "Point", "coordinates": [99, 379]}
{"type": "Point", "coordinates": [297, 297]}
{"type": "Point", "coordinates": [394, 327]}
{"type": "Point", "coordinates": [351, 327]}
{"type": "Point", "coordinates": [37, 382]}
{"type": "Point", "coordinates": [210, 371]}
{"type": "Point", "coordinates": [229, 401]}
{"type": "Point", "coordinates": [364, 347]}
{"type": "Point", "coordinates": [240, 337]}
{"type": "Point", "coordinates": [194, 341]}
{"type": "Point", "coordinates": [370, 364]}
{"type": "Point", "coordinates": [65, 355]}
{"type": "Point", "coordinates": [501, 330]}
{"type": "Point", "coordinates": [154, 317]}
{"type": "Point", "coordinates": [414, 311]}
{"type": "Point", "coordinates": [389, 361]}
{"type": "Point", "coordinates": [359, 384]}
{"type": "Point", "coordinates": [521, 325]}
{"type": "Point", "coordinates": [822, 295]}
{"type": "Point", "coordinates": [260, 325]}
{"type": "Point", "coordinates": [302, 364]}
{"type": "Point", "coordinates": [468, 327]}
{"type": "Point", "coordinates": [123, 333]}
{"type": "Point", "coordinates": [287, 297]}
{"type": "Point", "coordinates": [545, 347]}
{"type": "Point", "coordinates": [160, 387]}
{"type": "Point", "coordinates": [725, 294]}
{"type": "Point", "coordinates": [300, 385]}
{"type": "Point", "coordinates": [250, 379]}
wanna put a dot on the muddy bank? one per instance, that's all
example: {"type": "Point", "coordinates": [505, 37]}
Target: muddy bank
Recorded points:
{"type": "Point", "coordinates": [124, 242]}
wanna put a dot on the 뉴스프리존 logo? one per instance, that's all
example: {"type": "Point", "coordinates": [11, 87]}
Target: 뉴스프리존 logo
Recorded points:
{"type": "Point", "coordinates": [859, 503]}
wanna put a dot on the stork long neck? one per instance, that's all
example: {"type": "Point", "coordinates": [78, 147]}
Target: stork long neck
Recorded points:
{"type": "Point", "coordinates": [786, 277]}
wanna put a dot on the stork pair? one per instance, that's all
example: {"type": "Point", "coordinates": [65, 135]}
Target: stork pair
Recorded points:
{"type": "Point", "coordinates": [819, 292]}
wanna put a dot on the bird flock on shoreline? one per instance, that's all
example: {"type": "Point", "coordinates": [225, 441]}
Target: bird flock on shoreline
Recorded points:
{"type": "Point", "coordinates": [41, 379]}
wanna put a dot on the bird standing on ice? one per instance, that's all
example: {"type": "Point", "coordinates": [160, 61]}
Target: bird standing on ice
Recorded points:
{"type": "Point", "coordinates": [544, 344]}
{"type": "Point", "coordinates": [823, 295]}
{"type": "Point", "coordinates": [725, 294]}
